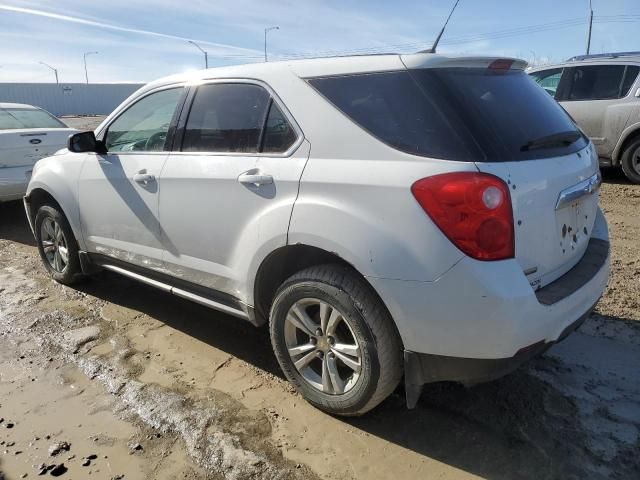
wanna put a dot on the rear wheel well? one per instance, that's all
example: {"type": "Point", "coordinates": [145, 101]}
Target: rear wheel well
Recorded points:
{"type": "Point", "coordinates": [280, 265]}
{"type": "Point", "coordinates": [632, 137]}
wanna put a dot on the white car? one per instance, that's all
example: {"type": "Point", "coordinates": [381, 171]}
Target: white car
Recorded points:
{"type": "Point", "coordinates": [27, 134]}
{"type": "Point", "coordinates": [425, 216]}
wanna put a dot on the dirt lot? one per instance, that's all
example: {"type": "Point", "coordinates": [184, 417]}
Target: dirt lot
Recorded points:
{"type": "Point", "coordinates": [146, 385]}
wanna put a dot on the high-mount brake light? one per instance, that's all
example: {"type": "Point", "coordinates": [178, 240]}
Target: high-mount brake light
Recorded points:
{"type": "Point", "coordinates": [472, 209]}
{"type": "Point", "coordinates": [501, 65]}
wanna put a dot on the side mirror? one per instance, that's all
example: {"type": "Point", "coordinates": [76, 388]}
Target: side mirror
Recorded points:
{"type": "Point", "coordinates": [85, 142]}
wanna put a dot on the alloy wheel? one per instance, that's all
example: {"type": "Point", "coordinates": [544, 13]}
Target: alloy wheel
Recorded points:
{"type": "Point", "coordinates": [322, 346]}
{"type": "Point", "coordinates": [54, 244]}
{"type": "Point", "coordinates": [635, 161]}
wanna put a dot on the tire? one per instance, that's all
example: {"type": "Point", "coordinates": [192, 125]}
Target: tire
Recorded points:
{"type": "Point", "coordinates": [631, 161]}
{"type": "Point", "coordinates": [361, 320]}
{"type": "Point", "coordinates": [53, 234]}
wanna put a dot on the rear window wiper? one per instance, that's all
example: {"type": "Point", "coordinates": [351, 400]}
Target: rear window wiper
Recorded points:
{"type": "Point", "coordinates": [562, 139]}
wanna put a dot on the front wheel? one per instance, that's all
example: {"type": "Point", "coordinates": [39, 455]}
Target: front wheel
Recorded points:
{"type": "Point", "coordinates": [631, 161]}
{"type": "Point", "coordinates": [335, 340]}
{"type": "Point", "coordinates": [57, 245]}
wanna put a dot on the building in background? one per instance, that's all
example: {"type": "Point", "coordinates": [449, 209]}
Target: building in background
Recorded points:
{"type": "Point", "coordinates": [69, 98]}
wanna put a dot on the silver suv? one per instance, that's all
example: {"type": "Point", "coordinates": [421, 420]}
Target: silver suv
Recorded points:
{"type": "Point", "coordinates": [602, 93]}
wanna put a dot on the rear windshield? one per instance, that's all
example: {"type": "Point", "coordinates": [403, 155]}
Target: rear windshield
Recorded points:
{"type": "Point", "coordinates": [465, 114]}
{"type": "Point", "coordinates": [14, 118]}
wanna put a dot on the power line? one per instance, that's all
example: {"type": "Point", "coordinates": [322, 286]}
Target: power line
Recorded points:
{"type": "Point", "coordinates": [460, 40]}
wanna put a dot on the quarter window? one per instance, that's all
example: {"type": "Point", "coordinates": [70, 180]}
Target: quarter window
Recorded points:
{"type": "Point", "coordinates": [629, 79]}
{"type": "Point", "coordinates": [144, 125]}
{"type": "Point", "coordinates": [226, 118]}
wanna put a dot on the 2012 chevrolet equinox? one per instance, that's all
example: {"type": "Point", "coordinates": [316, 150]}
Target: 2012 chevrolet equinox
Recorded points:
{"type": "Point", "coordinates": [421, 215]}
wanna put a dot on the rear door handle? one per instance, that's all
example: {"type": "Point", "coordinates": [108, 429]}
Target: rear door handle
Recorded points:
{"type": "Point", "coordinates": [143, 177]}
{"type": "Point", "coordinates": [255, 179]}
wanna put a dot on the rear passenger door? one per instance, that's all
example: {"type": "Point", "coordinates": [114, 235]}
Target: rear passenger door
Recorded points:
{"type": "Point", "coordinates": [595, 96]}
{"type": "Point", "coordinates": [229, 186]}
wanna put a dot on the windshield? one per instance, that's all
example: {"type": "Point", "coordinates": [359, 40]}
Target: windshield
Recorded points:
{"type": "Point", "coordinates": [15, 118]}
{"type": "Point", "coordinates": [464, 114]}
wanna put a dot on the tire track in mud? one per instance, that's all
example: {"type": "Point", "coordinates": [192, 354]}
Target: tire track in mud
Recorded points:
{"type": "Point", "coordinates": [220, 434]}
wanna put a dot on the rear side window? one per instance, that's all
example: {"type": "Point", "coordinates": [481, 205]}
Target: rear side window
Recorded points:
{"type": "Point", "coordinates": [226, 118]}
{"type": "Point", "coordinates": [392, 107]}
{"type": "Point", "coordinates": [465, 114]}
{"type": "Point", "coordinates": [15, 118]}
{"type": "Point", "coordinates": [600, 82]}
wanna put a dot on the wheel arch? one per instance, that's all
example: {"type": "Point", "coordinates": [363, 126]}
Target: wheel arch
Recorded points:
{"type": "Point", "coordinates": [285, 261]}
{"type": "Point", "coordinates": [38, 196]}
{"type": "Point", "coordinates": [629, 135]}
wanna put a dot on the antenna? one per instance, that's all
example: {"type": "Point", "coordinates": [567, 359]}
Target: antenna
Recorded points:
{"type": "Point", "coordinates": [435, 44]}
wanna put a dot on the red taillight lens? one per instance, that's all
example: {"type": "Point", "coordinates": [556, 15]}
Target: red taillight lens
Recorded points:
{"type": "Point", "coordinates": [472, 209]}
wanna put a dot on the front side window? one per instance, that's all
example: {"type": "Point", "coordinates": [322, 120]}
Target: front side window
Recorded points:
{"type": "Point", "coordinates": [144, 125]}
{"type": "Point", "coordinates": [16, 118]}
{"type": "Point", "coordinates": [226, 117]}
{"type": "Point", "coordinates": [596, 82]}
{"type": "Point", "coordinates": [548, 79]}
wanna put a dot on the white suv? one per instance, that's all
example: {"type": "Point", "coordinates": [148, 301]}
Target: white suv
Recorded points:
{"type": "Point", "coordinates": [420, 215]}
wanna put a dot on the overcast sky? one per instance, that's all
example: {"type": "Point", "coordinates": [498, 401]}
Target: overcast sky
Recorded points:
{"type": "Point", "coordinates": [139, 40]}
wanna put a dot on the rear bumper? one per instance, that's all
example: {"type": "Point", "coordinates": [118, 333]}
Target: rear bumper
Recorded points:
{"type": "Point", "coordinates": [13, 182]}
{"type": "Point", "coordinates": [423, 368]}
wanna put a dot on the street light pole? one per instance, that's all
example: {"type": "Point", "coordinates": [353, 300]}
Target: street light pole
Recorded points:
{"type": "Point", "coordinates": [55, 71]}
{"type": "Point", "coordinates": [268, 29]}
{"type": "Point", "coordinates": [86, 75]}
{"type": "Point", "coordinates": [206, 56]}
{"type": "Point", "coordinates": [590, 24]}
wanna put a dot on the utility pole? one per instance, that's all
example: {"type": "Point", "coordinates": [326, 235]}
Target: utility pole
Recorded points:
{"type": "Point", "coordinates": [206, 56]}
{"type": "Point", "coordinates": [590, 24]}
{"type": "Point", "coordinates": [86, 75]}
{"type": "Point", "coordinates": [55, 71]}
{"type": "Point", "coordinates": [268, 29]}
{"type": "Point", "coordinates": [435, 44]}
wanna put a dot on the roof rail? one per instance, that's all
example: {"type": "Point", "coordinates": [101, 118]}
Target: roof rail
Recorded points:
{"type": "Point", "coordinates": [604, 55]}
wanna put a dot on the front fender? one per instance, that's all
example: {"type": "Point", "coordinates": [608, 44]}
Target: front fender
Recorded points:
{"type": "Point", "coordinates": [58, 177]}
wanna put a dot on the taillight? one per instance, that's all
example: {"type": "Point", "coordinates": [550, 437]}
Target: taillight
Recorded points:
{"type": "Point", "coordinates": [472, 209]}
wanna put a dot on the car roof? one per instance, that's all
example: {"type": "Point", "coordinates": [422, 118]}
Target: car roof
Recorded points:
{"type": "Point", "coordinates": [580, 61]}
{"type": "Point", "coordinates": [18, 105]}
{"type": "Point", "coordinates": [328, 66]}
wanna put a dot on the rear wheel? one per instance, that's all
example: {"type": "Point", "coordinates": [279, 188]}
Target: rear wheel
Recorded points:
{"type": "Point", "coordinates": [335, 340]}
{"type": "Point", "coordinates": [631, 161]}
{"type": "Point", "coordinates": [57, 245]}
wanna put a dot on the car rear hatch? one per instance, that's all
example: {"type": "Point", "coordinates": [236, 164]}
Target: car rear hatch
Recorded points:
{"type": "Point", "coordinates": [525, 138]}
{"type": "Point", "coordinates": [25, 147]}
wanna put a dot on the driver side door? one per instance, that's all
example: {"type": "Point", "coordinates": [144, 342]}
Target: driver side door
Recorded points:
{"type": "Point", "coordinates": [118, 190]}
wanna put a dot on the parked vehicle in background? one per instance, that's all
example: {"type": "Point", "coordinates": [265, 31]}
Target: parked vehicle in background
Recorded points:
{"type": "Point", "coordinates": [602, 93]}
{"type": "Point", "coordinates": [27, 134]}
{"type": "Point", "coordinates": [424, 216]}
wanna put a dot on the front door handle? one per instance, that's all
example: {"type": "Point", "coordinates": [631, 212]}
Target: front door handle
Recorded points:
{"type": "Point", "coordinates": [143, 177]}
{"type": "Point", "coordinates": [255, 179]}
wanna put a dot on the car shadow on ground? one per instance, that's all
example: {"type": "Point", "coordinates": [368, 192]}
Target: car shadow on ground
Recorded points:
{"type": "Point", "coordinates": [515, 427]}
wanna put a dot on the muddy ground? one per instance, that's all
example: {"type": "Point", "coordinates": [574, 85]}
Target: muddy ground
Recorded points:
{"type": "Point", "coordinates": [149, 386]}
